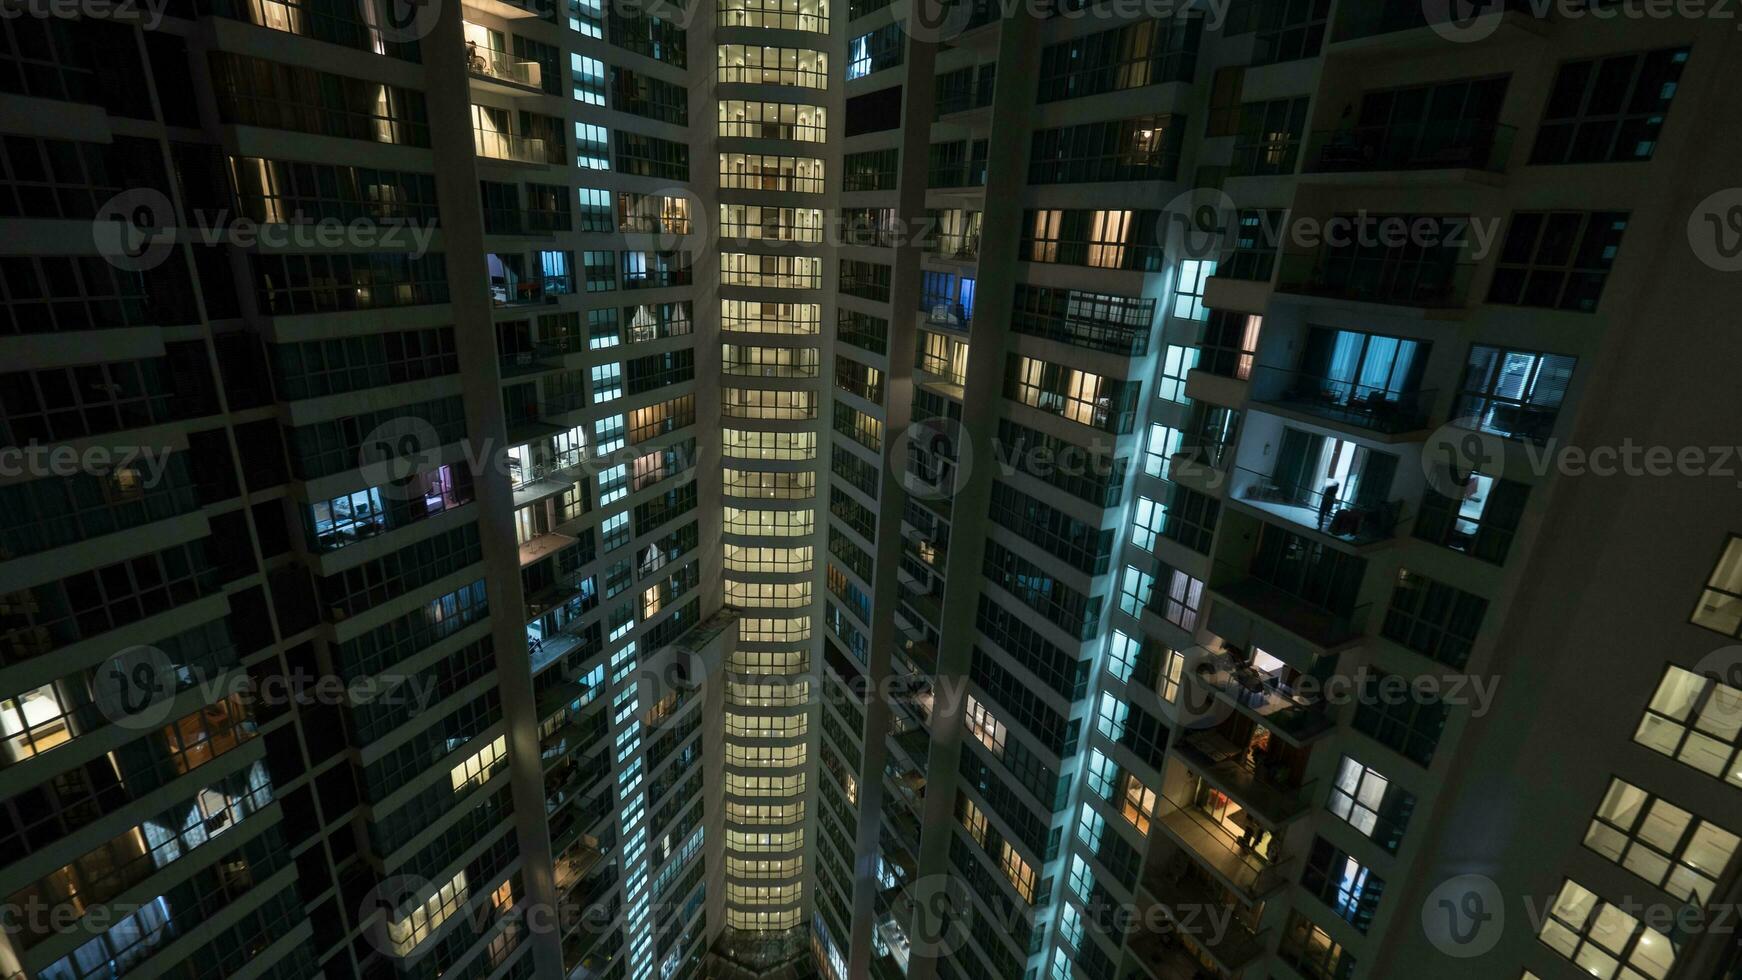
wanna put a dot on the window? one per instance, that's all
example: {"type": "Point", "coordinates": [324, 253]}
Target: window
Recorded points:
{"type": "Point", "coordinates": [750, 316]}
{"type": "Point", "coordinates": [1188, 295]}
{"type": "Point", "coordinates": [1558, 260]}
{"type": "Point", "coordinates": [1180, 597]}
{"type": "Point", "coordinates": [1661, 842]}
{"type": "Point", "coordinates": [1481, 523]}
{"type": "Point", "coordinates": [771, 172]}
{"type": "Point", "coordinates": [1720, 605]}
{"type": "Point", "coordinates": [973, 818]}
{"type": "Point", "coordinates": [1601, 939]}
{"type": "Point", "coordinates": [1513, 393]}
{"type": "Point", "coordinates": [589, 80]}
{"type": "Point", "coordinates": [1351, 891]}
{"type": "Point", "coordinates": [1288, 30]}
{"type": "Point", "coordinates": [1147, 52]}
{"type": "Point", "coordinates": [1088, 399]}
{"type": "Point", "coordinates": [1696, 719]}
{"type": "Point", "coordinates": [754, 64]}
{"type": "Point", "coordinates": [1136, 802]}
{"type": "Point", "coordinates": [874, 51]}
{"type": "Point", "coordinates": [789, 15]}
{"type": "Point", "coordinates": [477, 769]}
{"type": "Point", "coordinates": [1230, 344]}
{"type": "Point", "coordinates": [425, 918]}
{"type": "Point", "coordinates": [1609, 109]}
{"type": "Point", "coordinates": [873, 170]}
{"type": "Point", "coordinates": [1017, 870]}
{"type": "Point", "coordinates": [1312, 951]}
{"type": "Point", "coordinates": [1391, 712]}
{"type": "Point", "coordinates": [1142, 148]}
{"type": "Point", "coordinates": [1135, 589]}
{"type": "Point", "coordinates": [983, 726]}
{"type": "Point", "coordinates": [1370, 803]}
{"type": "Point", "coordinates": [1269, 138]}
{"type": "Point", "coordinates": [1176, 361]}
{"type": "Point", "coordinates": [1433, 618]}
{"type": "Point", "coordinates": [1094, 321]}
{"type": "Point", "coordinates": [1159, 448]}
{"type": "Point", "coordinates": [1224, 114]}
{"type": "Point", "coordinates": [773, 120]}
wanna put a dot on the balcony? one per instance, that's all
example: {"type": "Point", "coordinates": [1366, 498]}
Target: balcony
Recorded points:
{"type": "Point", "coordinates": [1390, 29]}
{"type": "Point", "coordinates": [1424, 285]}
{"type": "Point", "coordinates": [498, 71]}
{"type": "Point", "coordinates": [1249, 874]}
{"type": "Point", "coordinates": [1184, 898]}
{"type": "Point", "coordinates": [1372, 409]}
{"type": "Point", "coordinates": [1461, 144]}
{"type": "Point", "coordinates": [1322, 628]}
{"type": "Point", "coordinates": [1265, 788]}
{"type": "Point", "coordinates": [492, 145]}
{"type": "Point", "coordinates": [1261, 696]}
{"type": "Point", "coordinates": [1358, 522]}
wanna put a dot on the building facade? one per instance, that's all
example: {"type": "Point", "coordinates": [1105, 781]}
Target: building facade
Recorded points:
{"type": "Point", "coordinates": [615, 489]}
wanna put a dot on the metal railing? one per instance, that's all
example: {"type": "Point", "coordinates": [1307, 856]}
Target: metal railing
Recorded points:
{"type": "Point", "coordinates": [1475, 144]}
{"type": "Point", "coordinates": [1429, 284]}
{"type": "Point", "coordinates": [1359, 521]}
{"type": "Point", "coordinates": [506, 146]}
{"type": "Point", "coordinates": [502, 67]}
{"type": "Point", "coordinates": [1386, 410]}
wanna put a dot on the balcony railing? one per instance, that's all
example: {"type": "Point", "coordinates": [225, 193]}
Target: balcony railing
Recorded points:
{"type": "Point", "coordinates": [1385, 17]}
{"type": "Point", "coordinates": [1274, 794]}
{"type": "Point", "coordinates": [1384, 410]}
{"type": "Point", "coordinates": [1265, 695]}
{"type": "Point", "coordinates": [1429, 284]}
{"type": "Point", "coordinates": [506, 146]}
{"type": "Point", "coordinates": [1248, 872]}
{"type": "Point", "coordinates": [1473, 144]}
{"type": "Point", "coordinates": [500, 66]}
{"type": "Point", "coordinates": [1321, 626]}
{"type": "Point", "coordinates": [1359, 521]}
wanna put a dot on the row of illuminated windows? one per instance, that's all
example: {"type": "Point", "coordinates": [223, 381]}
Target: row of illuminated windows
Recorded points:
{"type": "Point", "coordinates": [768, 523]}
{"type": "Point", "coordinates": [771, 172]}
{"type": "Point", "coordinates": [764, 756]}
{"type": "Point", "coordinates": [764, 65]}
{"type": "Point", "coordinates": [739, 867]}
{"type": "Point", "coordinates": [773, 120]}
{"type": "Point", "coordinates": [754, 223]}
{"type": "Point", "coordinates": [770, 362]}
{"type": "Point", "coordinates": [762, 403]}
{"type": "Point", "coordinates": [750, 316]}
{"type": "Point", "coordinates": [789, 15]}
{"type": "Point", "coordinates": [771, 271]}
{"type": "Point", "coordinates": [800, 485]}
{"type": "Point", "coordinates": [766, 726]}
{"type": "Point", "coordinates": [771, 663]}
{"type": "Point", "coordinates": [753, 786]}
{"type": "Point", "coordinates": [763, 843]}
{"type": "Point", "coordinates": [746, 444]}
{"type": "Point", "coordinates": [767, 595]}
{"type": "Point", "coordinates": [758, 921]}
{"type": "Point", "coordinates": [742, 558]}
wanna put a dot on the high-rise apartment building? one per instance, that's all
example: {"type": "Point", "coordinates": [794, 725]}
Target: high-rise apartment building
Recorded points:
{"type": "Point", "coordinates": [618, 490]}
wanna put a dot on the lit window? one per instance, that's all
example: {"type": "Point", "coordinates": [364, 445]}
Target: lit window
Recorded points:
{"type": "Point", "coordinates": [476, 770]}
{"type": "Point", "coordinates": [1720, 606]}
{"type": "Point", "coordinates": [1695, 719]}
{"type": "Point", "coordinates": [1188, 300]}
{"type": "Point", "coordinates": [1660, 842]}
{"type": "Point", "coordinates": [1602, 939]}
